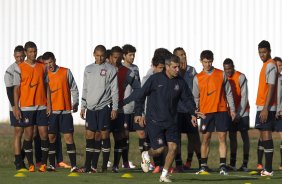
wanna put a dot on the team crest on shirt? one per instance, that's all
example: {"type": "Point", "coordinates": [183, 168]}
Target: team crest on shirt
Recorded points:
{"type": "Point", "coordinates": [26, 120]}
{"type": "Point", "coordinates": [176, 87]}
{"type": "Point", "coordinates": [160, 141]}
{"type": "Point", "coordinates": [103, 72]}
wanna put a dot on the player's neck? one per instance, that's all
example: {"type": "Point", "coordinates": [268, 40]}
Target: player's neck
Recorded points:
{"type": "Point", "coordinates": [31, 62]}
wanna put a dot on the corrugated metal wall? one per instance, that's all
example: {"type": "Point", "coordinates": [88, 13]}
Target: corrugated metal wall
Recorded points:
{"type": "Point", "coordinates": [71, 29]}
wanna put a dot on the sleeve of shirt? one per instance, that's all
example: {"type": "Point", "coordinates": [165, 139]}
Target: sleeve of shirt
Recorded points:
{"type": "Point", "coordinates": [17, 76]}
{"type": "Point", "coordinates": [188, 99]}
{"type": "Point", "coordinates": [279, 93]}
{"type": "Point", "coordinates": [196, 92]}
{"type": "Point", "coordinates": [84, 90]}
{"type": "Point", "coordinates": [73, 88]}
{"type": "Point", "coordinates": [134, 83]}
{"type": "Point", "coordinates": [114, 88]}
{"type": "Point", "coordinates": [9, 77]}
{"type": "Point", "coordinates": [244, 95]}
{"type": "Point", "coordinates": [228, 92]}
{"type": "Point", "coordinates": [271, 73]}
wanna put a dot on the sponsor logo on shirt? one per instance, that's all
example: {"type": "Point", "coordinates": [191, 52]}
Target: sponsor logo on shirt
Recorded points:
{"type": "Point", "coordinates": [160, 141]}
{"type": "Point", "coordinates": [210, 93]}
{"type": "Point", "coordinates": [33, 85]}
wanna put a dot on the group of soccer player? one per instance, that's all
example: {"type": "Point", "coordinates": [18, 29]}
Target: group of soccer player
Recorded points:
{"type": "Point", "coordinates": [165, 104]}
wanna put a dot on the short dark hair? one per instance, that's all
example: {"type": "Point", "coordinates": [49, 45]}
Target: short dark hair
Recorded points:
{"type": "Point", "coordinates": [172, 58]}
{"type": "Point", "coordinates": [100, 48]}
{"type": "Point", "coordinates": [162, 52]}
{"type": "Point", "coordinates": [29, 44]}
{"type": "Point", "coordinates": [160, 55]}
{"type": "Point", "coordinates": [116, 49]}
{"type": "Point", "coordinates": [228, 61]}
{"type": "Point", "coordinates": [158, 60]}
{"type": "Point", "coordinates": [177, 49]}
{"type": "Point", "coordinates": [48, 55]}
{"type": "Point", "coordinates": [18, 48]}
{"type": "Point", "coordinates": [277, 59]}
{"type": "Point", "coordinates": [206, 54]}
{"type": "Point", "coordinates": [127, 48]}
{"type": "Point", "coordinates": [108, 53]}
{"type": "Point", "coordinates": [264, 44]}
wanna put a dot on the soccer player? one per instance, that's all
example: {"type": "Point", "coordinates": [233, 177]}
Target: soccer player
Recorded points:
{"type": "Point", "coordinates": [212, 91]}
{"type": "Point", "coordinates": [100, 90]}
{"type": "Point", "coordinates": [278, 125]}
{"type": "Point", "coordinates": [239, 87]}
{"type": "Point", "coordinates": [18, 128]}
{"type": "Point", "coordinates": [129, 125]}
{"type": "Point", "coordinates": [125, 77]}
{"type": "Point", "coordinates": [163, 91]}
{"type": "Point", "coordinates": [266, 104]}
{"type": "Point", "coordinates": [194, 143]}
{"type": "Point", "coordinates": [32, 103]}
{"type": "Point", "coordinates": [62, 88]}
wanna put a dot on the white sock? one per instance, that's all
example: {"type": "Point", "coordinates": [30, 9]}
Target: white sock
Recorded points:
{"type": "Point", "coordinates": [164, 173]}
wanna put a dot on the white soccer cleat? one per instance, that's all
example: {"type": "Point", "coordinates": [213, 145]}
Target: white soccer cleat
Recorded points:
{"type": "Point", "coordinates": [145, 164]}
{"type": "Point", "coordinates": [165, 179]}
{"type": "Point", "coordinates": [109, 164]}
{"type": "Point", "coordinates": [266, 173]}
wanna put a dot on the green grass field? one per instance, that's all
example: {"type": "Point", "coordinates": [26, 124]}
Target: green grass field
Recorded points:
{"type": "Point", "coordinates": [8, 172]}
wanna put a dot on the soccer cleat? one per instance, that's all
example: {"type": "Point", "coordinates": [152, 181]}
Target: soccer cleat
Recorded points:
{"type": "Point", "coordinates": [203, 170]}
{"type": "Point", "coordinates": [266, 173]}
{"type": "Point", "coordinates": [84, 170]}
{"type": "Point", "coordinates": [171, 170]}
{"type": "Point", "coordinates": [115, 169]}
{"type": "Point", "coordinates": [151, 167]}
{"type": "Point", "coordinates": [223, 170]}
{"type": "Point", "coordinates": [165, 179]}
{"type": "Point", "coordinates": [38, 164]}
{"type": "Point", "coordinates": [243, 168]}
{"type": "Point", "coordinates": [31, 168]}
{"type": "Point", "coordinates": [231, 168]}
{"type": "Point", "coordinates": [109, 164]}
{"type": "Point", "coordinates": [128, 165]}
{"type": "Point", "coordinates": [157, 169]}
{"type": "Point", "coordinates": [93, 170]}
{"type": "Point", "coordinates": [259, 166]}
{"type": "Point", "coordinates": [51, 168]}
{"type": "Point", "coordinates": [74, 169]}
{"type": "Point", "coordinates": [42, 168]}
{"type": "Point", "coordinates": [187, 165]}
{"type": "Point", "coordinates": [178, 169]}
{"type": "Point", "coordinates": [64, 165]}
{"type": "Point", "coordinates": [145, 161]}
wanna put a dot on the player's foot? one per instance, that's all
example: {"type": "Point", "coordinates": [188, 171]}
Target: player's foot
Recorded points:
{"type": "Point", "coordinates": [259, 166]}
{"type": "Point", "coordinates": [63, 165]}
{"type": "Point", "coordinates": [31, 168]}
{"type": "Point", "coordinates": [171, 170]}
{"type": "Point", "coordinates": [223, 170]}
{"type": "Point", "coordinates": [109, 164]}
{"type": "Point", "coordinates": [165, 179]}
{"type": "Point", "coordinates": [157, 169]}
{"type": "Point", "coordinates": [187, 165]}
{"type": "Point", "coordinates": [42, 168]}
{"type": "Point", "coordinates": [84, 170]}
{"type": "Point", "coordinates": [243, 168]}
{"type": "Point", "coordinates": [203, 170]}
{"type": "Point", "coordinates": [145, 161]}
{"type": "Point", "coordinates": [151, 167]}
{"type": "Point", "coordinates": [93, 170]}
{"type": "Point", "coordinates": [115, 169]}
{"type": "Point", "coordinates": [128, 165]}
{"type": "Point", "coordinates": [231, 168]}
{"type": "Point", "coordinates": [266, 173]}
{"type": "Point", "coordinates": [178, 169]}
{"type": "Point", "coordinates": [51, 168]}
{"type": "Point", "coordinates": [74, 169]}
{"type": "Point", "coordinates": [38, 164]}
{"type": "Point", "coordinates": [19, 165]}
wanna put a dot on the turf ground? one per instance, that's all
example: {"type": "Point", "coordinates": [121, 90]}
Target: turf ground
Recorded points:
{"type": "Point", "coordinates": [7, 170]}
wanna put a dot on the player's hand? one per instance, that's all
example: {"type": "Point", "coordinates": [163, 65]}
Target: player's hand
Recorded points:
{"type": "Point", "coordinates": [236, 119]}
{"type": "Point", "coordinates": [200, 114]}
{"type": "Point", "coordinates": [114, 114]}
{"type": "Point", "coordinates": [48, 110]}
{"type": "Point", "coordinates": [194, 121]}
{"type": "Point", "coordinates": [17, 113]}
{"type": "Point", "coordinates": [139, 120]}
{"type": "Point", "coordinates": [233, 115]}
{"type": "Point", "coordinates": [74, 108]}
{"type": "Point", "coordinates": [82, 114]}
{"type": "Point", "coordinates": [263, 115]}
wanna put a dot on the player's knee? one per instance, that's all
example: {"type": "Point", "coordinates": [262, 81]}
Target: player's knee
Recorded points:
{"type": "Point", "coordinates": [52, 138]}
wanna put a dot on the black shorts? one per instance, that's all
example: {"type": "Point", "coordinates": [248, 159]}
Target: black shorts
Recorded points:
{"type": "Point", "coordinates": [268, 125]}
{"type": "Point", "coordinates": [98, 120]}
{"type": "Point", "coordinates": [36, 117]}
{"type": "Point", "coordinates": [218, 121]}
{"type": "Point", "coordinates": [278, 125]}
{"type": "Point", "coordinates": [159, 136]}
{"type": "Point", "coordinates": [242, 125]}
{"type": "Point", "coordinates": [13, 121]}
{"type": "Point", "coordinates": [185, 125]}
{"type": "Point", "coordinates": [129, 123]}
{"type": "Point", "coordinates": [60, 123]}
{"type": "Point", "coordinates": [117, 125]}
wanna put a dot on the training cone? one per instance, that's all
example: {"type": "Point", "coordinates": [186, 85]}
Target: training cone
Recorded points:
{"type": "Point", "coordinates": [73, 175]}
{"type": "Point", "coordinates": [253, 173]}
{"type": "Point", "coordinates": [20, 175]}
{"type": "Point", "coordinates": [204, 173]}
{"type": "Point", "coordinates": [126, 175]}
{"type": "Point", "coordinates": [22, 170]}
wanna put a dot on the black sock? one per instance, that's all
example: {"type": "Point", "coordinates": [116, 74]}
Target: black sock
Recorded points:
{"type": "Point", "coordinates": [96, 154]}
{"type": "Point", "coordinates": [222, 162]}
{"type": "Point", "coordinates": [22, 153]}
{"type": "Point", "coordinates": [268, 151]}
{"type": "Point", "coordinates": [178, 160]}
{"type": "Point", "coordinates": [117, 152]}
{"type": "Point", "coordinates": [190, 157]}
{"type": "Point", "coordinates": [199, 158]}
{"type": "Point", "coordinates": [71, 150]}
{"type": "Point", "coordinates": [125, 150]}
{"type": "Point", "coordinates": [141, 144]}
{"type": "Point", "coordinates": [204, 162]}
{"type": "Point", "coordinates": [45, 150]}
{"type": "Point", "coordinates": [52, 153]}
{"type": "Point", "coordinates": [260, 151]}
{"type": "Point", "coordinates": [233, 157]}
{"type": "Point", "coordinates": [245, 160]}
{"type": "Point", "coordinates": [27, 146]}
{"type": "Point", "coordinates": [106, 149]}
{"type": "Point", "coordinates": [18, 159]}
{"type": "Point", "coordinates": [281, 154]}
{"type": "Point", "coordinates": [89, 153]}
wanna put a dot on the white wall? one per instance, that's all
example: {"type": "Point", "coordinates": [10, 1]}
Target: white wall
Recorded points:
{"type": "Point", "coordinates": [72, 28]}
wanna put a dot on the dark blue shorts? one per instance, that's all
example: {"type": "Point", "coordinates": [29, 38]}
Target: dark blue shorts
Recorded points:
{"type": "Point", "coordinates": [13, 121]}
{"type": "Point", "coordinates": [269, 125]}
{"type": "Point", "coordinates": [185, 125]}
{"type": "Point", "coordinates": [98, 120]}
{"type": "Point", "coordinates": [117, 125]}
{"type": "Point", "coordinates": [130, 124]}
{"type": "Point", "coordinates": [242, 125]}
{"type": "Point", "coordinates": [60, 123]}
{"type": "Point", "coordinates": [278, 125]}
{"type": "Point", "coordinates": [159, 136]}
{"type": "Point", "coordinates": [218, 121]}
{"type": "Point", "coordinates": [36, 117]}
